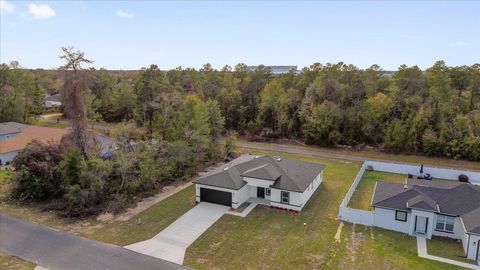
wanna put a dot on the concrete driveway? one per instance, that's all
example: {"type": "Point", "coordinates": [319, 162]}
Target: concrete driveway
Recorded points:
{"type": "Point", "coordinates": [171, 243]}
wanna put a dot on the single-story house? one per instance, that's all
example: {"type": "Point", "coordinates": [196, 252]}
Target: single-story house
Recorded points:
{"type": "Point", "coordinates": [281, 182]}
{"type": "Point", "coordinates": [15, 136]}
{"type": "Point", "coordinates": [425, 208]}
{"type": "Point", "coordinates": [53, 101]}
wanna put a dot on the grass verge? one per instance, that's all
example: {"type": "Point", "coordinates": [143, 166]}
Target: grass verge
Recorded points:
{"type": "Point", "coordinates": [447, 248]}
{"type": "Point", "coordinates": [8, 262]}
{"type": "Point", "coordinates": [148, 223]}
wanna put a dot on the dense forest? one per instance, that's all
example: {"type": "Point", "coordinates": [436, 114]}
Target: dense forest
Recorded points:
{"type": "Point", "coordinates": [434, 111]}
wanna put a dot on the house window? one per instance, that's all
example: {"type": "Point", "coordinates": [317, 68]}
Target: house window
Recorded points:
{"type": "Point", "coordinates": [401, 216]}
{"type": "Point", "coordinates": [445, 223]}
{"type": "Point", "coordinates": [285, 197]}
{"type": "Point", "coordinates": [267, 192]}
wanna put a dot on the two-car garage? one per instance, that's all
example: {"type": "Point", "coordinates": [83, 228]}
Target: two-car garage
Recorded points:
{"type": "Point", "coordinates": [216, 196]}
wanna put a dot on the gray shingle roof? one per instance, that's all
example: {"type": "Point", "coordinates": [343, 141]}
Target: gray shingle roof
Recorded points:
{"type": "Point", "coordinates": [450, 198]}
{"type": "Point", "coordinates": [288, 174]}
{"type": "Point", "coordinates": [266, 171]}
{"type": "Point", "coordinates": [11, 127]}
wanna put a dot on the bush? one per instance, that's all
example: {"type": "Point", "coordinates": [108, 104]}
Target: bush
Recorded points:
{"type": "Point", "coordinates": [431, 144]}
{"type": "Point", "coordinates": [38, 178]}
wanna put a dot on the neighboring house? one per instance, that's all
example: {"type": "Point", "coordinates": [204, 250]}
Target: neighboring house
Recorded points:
{"type": "Point", "coordinates": [15, 136]}
{"type": "Point", "coordinates": [284, 183]}
{"type": "Point", "coordinates": [277, 69]}
{"type": "Point", "coordinates": [9, 130]}
{"type": "Point", "coordinates": [53, 101]}
{"type": "Point", "coordinates": [426, 208]}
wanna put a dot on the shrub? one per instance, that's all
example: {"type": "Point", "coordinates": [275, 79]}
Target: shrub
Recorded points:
{"type": "Point", "coordinates": [38, 178]}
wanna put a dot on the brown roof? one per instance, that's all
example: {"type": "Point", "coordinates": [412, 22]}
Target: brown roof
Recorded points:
{"type": "Point", "coordinates": [30, 133]}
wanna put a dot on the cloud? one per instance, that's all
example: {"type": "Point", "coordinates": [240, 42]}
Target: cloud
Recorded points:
{"type": "Point", "coordinates": [40, 12]}
{"type": "Point", "coordinates": [123, 14]}
{"type": "Point", "coordinates": [6, 7]}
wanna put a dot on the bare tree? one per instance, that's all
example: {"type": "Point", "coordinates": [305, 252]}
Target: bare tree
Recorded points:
{"type": "Point", "coordinates": [73, 92]}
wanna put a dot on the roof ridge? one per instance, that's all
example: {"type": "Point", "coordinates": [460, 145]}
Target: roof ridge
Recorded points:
{"type": "Point", "coordinates": [429, 200]}
{"type": "Point", "coordinates": [398, 194]}
{"type": "Point", "coordinates": [284, 172]}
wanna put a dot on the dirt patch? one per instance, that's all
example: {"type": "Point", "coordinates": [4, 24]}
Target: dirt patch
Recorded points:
{"type": "Point", "coordinates": [105, 217]}
{"type": "Point", "coordinates": [356, 240]}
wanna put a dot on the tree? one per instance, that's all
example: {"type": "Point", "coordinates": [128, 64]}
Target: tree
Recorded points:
{"type": "Point", "coordinates": [321, 127]}
{"type": "Point", "coordinates": [217, 121]}
{"type": "Point", "coordinates": [150, 83]}
{"type": "Point", "coordinates": [123, 102]}
{"type": "Point", "coordinates": [74, 92]}
{"type": "Point", "coordinates": [269, 111]}
{"type": "Point", "coordinates": [395, 136]}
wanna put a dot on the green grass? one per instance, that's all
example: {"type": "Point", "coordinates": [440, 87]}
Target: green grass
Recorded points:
{"type": "Point", "coordinates": [362, 196]}
{"type": "Point", "coordinates": [447, 248]}
{"type": "Point", "coordinates": [379, 155]}
{"type": "Point", "coordinates": [49, 124]}
{"type": "Point", "coordinates": [148, 223]}
{"type": "Point", "coordinates": [8, 262]}
{"type": "Point", "coordinates": [273, 239]}
{"type": "Point", "coordinates": [373, 248]}
{"type": "Point", "coordinates": [268, 238]}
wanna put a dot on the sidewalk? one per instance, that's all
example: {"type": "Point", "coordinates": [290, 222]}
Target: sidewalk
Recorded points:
{"type": "Point", "coordinates": [422, 252]}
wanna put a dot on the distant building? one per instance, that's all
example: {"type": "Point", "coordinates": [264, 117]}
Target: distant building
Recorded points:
{"type": "Point", "coordinates": [52, 101]}
{"type": "Point", "coordinates": [277, 69]}
{"type": "Point", "coordinates": [15, 136]}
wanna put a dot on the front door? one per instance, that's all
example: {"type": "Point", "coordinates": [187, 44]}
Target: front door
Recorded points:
{"type": "Point", "coordinates": [261, 192]}
{"type": "Point", "coordinates": [421, 225]}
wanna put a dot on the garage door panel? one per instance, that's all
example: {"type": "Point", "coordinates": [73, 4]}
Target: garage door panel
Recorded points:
{"type": "Point", "coordinates": [216, 196]}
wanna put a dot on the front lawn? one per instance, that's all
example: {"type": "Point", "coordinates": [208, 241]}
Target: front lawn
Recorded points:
{"type": "Point", "coordinates": [374, 248]}
{"type": "Point", "coordinates": [273, 239]}
{"type": "Point", "coordinates": [447, 248]}
{"type": "Point", "coordinates": [148, 223]}
{"type": "Point", "coordinates": [362, 197]}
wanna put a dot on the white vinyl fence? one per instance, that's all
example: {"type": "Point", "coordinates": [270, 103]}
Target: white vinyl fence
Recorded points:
{"type": "Point", "coordinates": [367, 217]}
{"type": "Point", "coordinates": [451, 174]}
{"type": "Point", "coordinates": [356, 216]}
{"type": "Point", "coordinates": [354, 185]}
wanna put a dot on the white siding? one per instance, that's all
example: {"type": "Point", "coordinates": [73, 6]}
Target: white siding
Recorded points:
{"type": "Point", "coordinates": [458, 231]}
{"type": "Point", "coordinates": [430, 225]}
{"type": "Point", "coordinates": [385, 218]}
{"type": "Point", "coordinates": [297, 199]}
{"type": "Point", "coordinates": [473, 247]}
{"type": "Point", "coordinates": [311, 188]}
{"type": "Point", "coordinates": [258, 182]}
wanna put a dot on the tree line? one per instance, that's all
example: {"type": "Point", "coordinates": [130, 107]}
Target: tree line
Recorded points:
{"type": "Point", "coordinates": [73, 179]}
{"type": "Point", "coordinates": [434, 111]}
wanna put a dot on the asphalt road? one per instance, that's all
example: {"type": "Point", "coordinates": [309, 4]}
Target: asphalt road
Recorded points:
{"type": "Point", "coordinates": [56, 250]}
{"type": "Point", "coordinates": [299, 151]}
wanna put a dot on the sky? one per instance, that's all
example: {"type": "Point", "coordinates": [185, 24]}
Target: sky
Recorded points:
{"type": "Point", "coordinates": [134, 34]}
